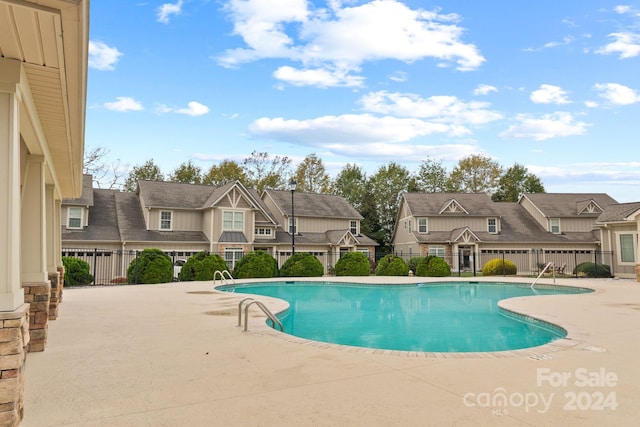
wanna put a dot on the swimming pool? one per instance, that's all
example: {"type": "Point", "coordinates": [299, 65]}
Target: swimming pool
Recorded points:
{"type": "Point", "coordinates": [435, 317]}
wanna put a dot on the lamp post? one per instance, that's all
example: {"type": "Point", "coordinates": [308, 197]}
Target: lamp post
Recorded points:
{"type": "Point", "coordinates": [292, 187]}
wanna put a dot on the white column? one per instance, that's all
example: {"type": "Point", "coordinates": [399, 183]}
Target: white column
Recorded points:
{"type": "Point", "coordinates": [11, 293]}
{"type": "Point", "coordinates": [52, 231]}
{"type": "Point", "coordinates": [57, 231]}
{"type": "Point", "coordinates": [34, 248]}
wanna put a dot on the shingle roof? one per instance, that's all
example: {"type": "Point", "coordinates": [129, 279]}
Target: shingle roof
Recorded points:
{"type": "Point", "coordinates": [87, 193]}
{"type": "Point", "coordinates": [568, 204]}
{"type": "Point", "coordinates": [160, 194]}
{"type": "Point", "coordinates": [103, 223]}
{"type": "Point", "coordinates": [314, 204]}
{"type": "Point", "coordinates": [618, 212]}
{"type": "Point", "coordinates": [432, 204]}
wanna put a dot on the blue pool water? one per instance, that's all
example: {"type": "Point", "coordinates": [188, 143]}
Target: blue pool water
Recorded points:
{"type": "Point", "coordinates": [444, 317]}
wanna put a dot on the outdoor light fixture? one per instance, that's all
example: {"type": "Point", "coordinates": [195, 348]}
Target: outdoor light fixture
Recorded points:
{"type": "Point", "coordinates": [292, 187]}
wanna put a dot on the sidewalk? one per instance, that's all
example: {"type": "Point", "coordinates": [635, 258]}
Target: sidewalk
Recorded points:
{"type": "Point", "coordinates": [171, 355]}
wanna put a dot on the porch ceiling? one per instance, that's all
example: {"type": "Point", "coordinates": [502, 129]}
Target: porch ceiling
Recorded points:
{"type": "Point", "coordinates": [50, 38]}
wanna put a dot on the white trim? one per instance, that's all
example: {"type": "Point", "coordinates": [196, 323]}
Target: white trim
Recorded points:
{"type": "Point", "coordinates": [69, 218]}
{"type": "Point", "coordinates": [161, 220]}
{"type": "Point", "coordinates": [634, 239]}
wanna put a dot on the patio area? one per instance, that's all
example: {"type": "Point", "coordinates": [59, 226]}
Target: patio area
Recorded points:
{"type": "Point", "coordinates": [172, 355]}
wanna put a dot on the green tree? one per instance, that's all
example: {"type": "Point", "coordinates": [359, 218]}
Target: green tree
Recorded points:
{"type": "Point", "coordinates": [432, 177]}
{"type": "Point", "coordinates": [201, 266]}
{"type": "Point", "coordinates": [302, 264]}
{"type": "Point", "coordinates": [224, 173]}
{"type": "Point", "coordinates": [148, 171]}
{"type": "Point", "coordinates": [263, 171]}
{"type": "Point", "coordinates": [187, 173]}
{"type": "Point", "coordinates": [150, 266]}
{"type": "Point", "coordinates": [311, 176]}
{"type": "Point", "coordinates": [385, 188]}
{"type": "Point", "coordinates": [256, 264]}
{"type": "Point", "coordinates": [351, 183]}
{"type": "Point", "coordinates": [514, 182]}
{"type": "Point", "coordinates": [475, 174]}
{"type": "Point", "coordinates": [353, 264]}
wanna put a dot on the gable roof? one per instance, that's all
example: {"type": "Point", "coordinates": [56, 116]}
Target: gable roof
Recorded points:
{"type": "Point", "coordinates": [86, 199]}
{"type": "Point", "coordinates": [570, 204]}
{"type": "Point", "coordinates": [438, 204]}
{"type": "Point", "coordinates": [313, 204]}
{"type": "Point", "coordinates": [620, 212]}
{"type": "Point", "coordinates": [161, 194]}
{"type": "Point", "coordinates": [103, 219]}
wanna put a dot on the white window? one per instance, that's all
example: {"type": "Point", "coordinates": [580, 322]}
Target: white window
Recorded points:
{"type": "Point", "coordinates": [233, 220]}
{"type": "Point", "coordinates": [492, 225]}
{"type": "Point", "coordinates": [293, 225]}
{"type": "Point", "coordinates": [74, 217]}
{"type": "Point", "coordinates": [436, 251]}
{"type": "Point", "coordinates": [422, 225]}
{"type": "Point", "coordinates": [627, 248]}
{"type": "Point", "coordinates": [165, 220]}
{"type": "Point", "coordinates": [263, 231]}
{"type": "Point", "coordinates": [353, 226]}
{"type": "Point", "coordinates": [555, 225]}
{"type": "Point", "coordinates": [231, 256]}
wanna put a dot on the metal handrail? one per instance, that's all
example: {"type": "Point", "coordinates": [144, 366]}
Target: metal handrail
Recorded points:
{"type": "Point", "coordinates": [223, 279]}
{"type": "Point", "coordinates": [546, 267]}
{"type": "Point", "coordinates": [264, 309]}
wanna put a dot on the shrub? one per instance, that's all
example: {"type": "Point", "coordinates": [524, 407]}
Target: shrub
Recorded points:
{"type": "Point", "coordinates": [201, 266]}
{"type": "Point", "coordinates": [151, 266]}
{"type": "Point", "coordinates": [391, 265]}
{"type": "Point", "coordinates": [302, 265]}
{"type": "Point", "coordinates": [257, 264]}
{"type": "Point", "coordinates": [353, 264]}
{"type": "Point", "coordinates": [496, 267]}
{"type": "Point", "coordinates": [76, 272]}
{"type": "Point", "coordinates": [433, 266]}
{"type": "Point", "coordinates": [590, 269]}
{"type": "Point", "coordinates": [413, 263]}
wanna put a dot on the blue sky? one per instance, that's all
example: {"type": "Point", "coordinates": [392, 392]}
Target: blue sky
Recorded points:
{"type": "Point", "coordinates": [552, 85]}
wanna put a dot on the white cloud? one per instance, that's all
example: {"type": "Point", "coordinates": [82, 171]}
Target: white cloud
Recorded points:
{"type": "Point", "coordinates": [103, 57]}
{"type": "Point", "coordinates": [442, 109]}
{"type": "Point", "coordinates": [591, 104]}
{"type": "Point", "coordinates": [399, 77]}
{"type": "Point", "coordinates": [194, 109]}
{"type": "Point", "coordinates": [123, 104]}
{"type": "Point", "coordinates": [547, 126]}
{"type": "Point", "coordinates": [626, 44]}
{"type": "Point", "coordinates": [342, 37]}
{"type": "Point", "coordinates": [484, 89]}
{"type": "Point", "coordinates": [317, 77]}
{"type": "Point", "coordinates": [549, 94]}
{"type": "Point", "coordinates": [622, 9]}
{"type": "Point", "coordinates": [168, 9]}
{"type": "Point", "coordinates": [617, 94]}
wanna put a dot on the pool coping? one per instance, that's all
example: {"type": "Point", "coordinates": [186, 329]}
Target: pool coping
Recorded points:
{"type": "Point", "coordinates": [517, 306]}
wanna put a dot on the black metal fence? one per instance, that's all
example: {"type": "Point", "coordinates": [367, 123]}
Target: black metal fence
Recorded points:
{"type": "Point", "coordinates": [110, 266]}
{"type": "Point", "coordinates": [528, 262]}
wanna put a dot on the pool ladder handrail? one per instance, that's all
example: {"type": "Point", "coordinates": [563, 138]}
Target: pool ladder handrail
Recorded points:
{"type": "Point", "coordinates": [223, 279]}
{"type": "Point", "coordinates": [546, 267]}
{"type": "Point", "coordinates": [250, 301]}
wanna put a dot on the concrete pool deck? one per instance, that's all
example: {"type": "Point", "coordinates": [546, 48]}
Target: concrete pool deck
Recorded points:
{"type": "Point", "coordinates": [172, 355]}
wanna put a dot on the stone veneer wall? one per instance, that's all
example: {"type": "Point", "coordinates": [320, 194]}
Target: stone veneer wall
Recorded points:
{"type": "Point", "coordinates": [38, 296]}
{"type": "Point", "coordinates": [56, 294]}
{"type": "Point", "coordinates": [61, 283]}
{"type": "Point", "coordinates": [14, 339]}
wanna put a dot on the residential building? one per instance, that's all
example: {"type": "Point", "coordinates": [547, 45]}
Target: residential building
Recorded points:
{"type": "Point", "coordinates": [43, 86]}
{"type": "Point", "coordinates": [183, 219]}
{"type": "Point", "coordinates": [469, 229]}
{"type": "Point", "coordinates": [619, 226]}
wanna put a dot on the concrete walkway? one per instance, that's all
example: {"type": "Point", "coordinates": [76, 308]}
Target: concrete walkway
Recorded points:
{"type": "Point", "coordinates": [171, 355]}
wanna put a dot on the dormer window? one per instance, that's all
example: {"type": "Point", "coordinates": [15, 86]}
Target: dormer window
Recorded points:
{"type": "Point", "coordinates": [166, 218]}
{"type": "Point", "coordinates": [353, 227]}
{"type": "Point", "coordinates": [422, 225]}
{"type": "Point", "coordinates": [554, 225]}
{"type": "Point", "coordinates": [293, 225]}
{"type": "Point", "coordinates": [74, 217]}
{"type": "Point", "coordinates": [492, 225]}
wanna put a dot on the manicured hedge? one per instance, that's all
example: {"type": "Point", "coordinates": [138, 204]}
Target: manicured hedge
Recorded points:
{"type": "Point", "coordinates": [353, 264]}
{"type": "Point", "coordinates": [433, 266]}
{"type": "Point", "coordinates": [302, 264]}
{"type": "Point", "coordinates": [151, 266]}
{"type": "Point", "coordinates": [201, 266]}
{"type": "Point", "coordinates": [392, 265]}
{"type": "Point", "coordinates": [256, 264]}
{"type": "Point", "coordinates": [76, 272]}
{"type": "Point", "coordinates": [496, 267]}
{"type": "Point", "coordinates": [590, 269]}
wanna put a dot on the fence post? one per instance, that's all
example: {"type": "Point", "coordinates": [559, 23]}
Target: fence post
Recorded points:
{"type": "Point", "coordinates": [135, 276]}
{"type": "Point", "coordinates": [95, 264]}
